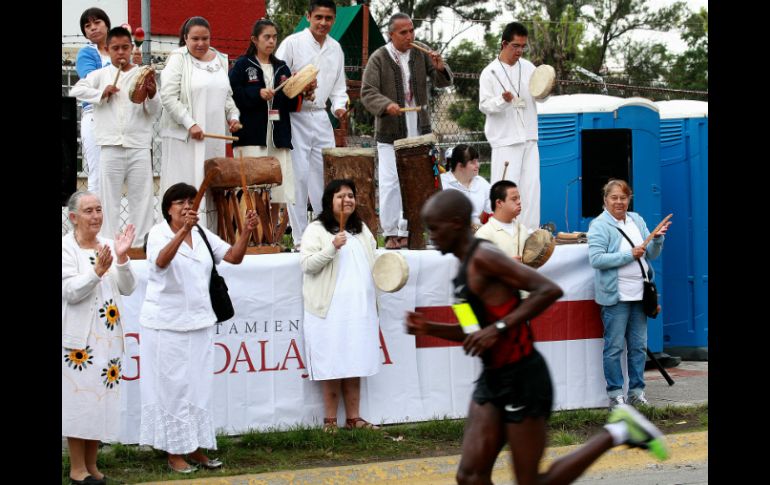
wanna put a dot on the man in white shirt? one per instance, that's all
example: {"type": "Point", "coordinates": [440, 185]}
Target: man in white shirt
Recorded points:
{"type": "Point", "coordinates": [311, 130]}
{"type": "Point", "coordinates": [502, 228]}
{"type": "Point", "coordinates": [394, 78]}
{"type": "Point", "coordinates": [511, 124]}
{"type": "Point", "coordinates": [123, 131]}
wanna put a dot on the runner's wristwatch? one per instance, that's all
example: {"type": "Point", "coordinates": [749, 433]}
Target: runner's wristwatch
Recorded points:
{"type": "Point", "coordinates": [501, 326]}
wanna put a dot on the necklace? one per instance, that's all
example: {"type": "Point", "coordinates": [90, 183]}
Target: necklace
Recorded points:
{"type": "Point", "coordinates": [509, 79]}
{"type": "Point", "coordinates": [209, 67]}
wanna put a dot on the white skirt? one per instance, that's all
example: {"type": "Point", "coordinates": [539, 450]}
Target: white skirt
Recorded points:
{"type": "Point", "coordinates": [90, 385]}
{"type": "Point", "coordinates": [347, 342]}
{"type": "Point", "coordinates": [176, 386]}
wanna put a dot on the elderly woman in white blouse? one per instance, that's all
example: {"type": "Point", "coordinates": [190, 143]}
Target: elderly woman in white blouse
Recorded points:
{"type": "Point", "coordinates": [177, 320]}
{"type": "Point", "coordinates": [95, 271]}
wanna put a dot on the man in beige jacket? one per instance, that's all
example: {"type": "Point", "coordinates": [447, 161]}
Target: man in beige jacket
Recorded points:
{"type": "Point", "coordinates": [502, 228]}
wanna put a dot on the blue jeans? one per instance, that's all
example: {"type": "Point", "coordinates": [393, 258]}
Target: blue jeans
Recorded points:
{"type": "Point", "coordinates": [624, 322]}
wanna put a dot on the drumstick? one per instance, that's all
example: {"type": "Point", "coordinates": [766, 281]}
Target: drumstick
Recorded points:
{"type": "Point", "coordinates": [249, 204]}
{"type": "Point", "coordinates": [280, 86]}
{"type": "Point", "coordinates": [422, 49]}
{"type": "Point", "coordinates": [501, 83]}
{"type": "Point", "coordinates": [213, 172]}
{"type": "Point", "coordinates": [120, 68]}
{"type": "Point", "coordinates": [220, 137]}
{"type": "Point", "coordinates": [657, 228]}
{"type": "Point", "coordinates": [411, 108]}
{"type": "Point", "coordinates": [505, 169]}
{"type": "Point", "coordinates": [342, 219]}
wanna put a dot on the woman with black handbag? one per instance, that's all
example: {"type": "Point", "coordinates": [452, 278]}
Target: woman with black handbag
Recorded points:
{"type": "Point", "coordinates": [177, 318]}
{"type": "Point", "coordinates": [617, 252]}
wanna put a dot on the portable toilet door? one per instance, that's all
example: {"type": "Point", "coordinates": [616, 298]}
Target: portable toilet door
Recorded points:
{"type": "Point", "coordinates": [684, 170]}
{"type": "Point", "coordinates": [586, 139]}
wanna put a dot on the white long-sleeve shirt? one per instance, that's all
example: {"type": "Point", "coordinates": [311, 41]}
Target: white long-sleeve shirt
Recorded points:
{"type": "Point", "coordinates": [506, 124]}
{"type": "Point", "coordinates": [117, 120]}
{"type": "Point", "coordinates": [301, 49]}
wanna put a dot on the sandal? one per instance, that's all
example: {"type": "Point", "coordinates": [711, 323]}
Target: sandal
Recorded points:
{"type": "Point", "coordinates": [403, 242]}
{"type": "Point", "coordinates": [359, 423]}
{"type": "Point", "coordinates": [330, 425]}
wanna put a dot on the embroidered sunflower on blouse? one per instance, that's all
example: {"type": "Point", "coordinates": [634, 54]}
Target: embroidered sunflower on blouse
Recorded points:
{"type": "Point", "coordinates": [111, 373]}
{"type": "Point", "coordinates": [110, 314]}
{"type": "Point", "coordinates": [79, 358]}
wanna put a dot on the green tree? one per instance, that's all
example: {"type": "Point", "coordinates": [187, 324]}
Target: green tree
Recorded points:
{"type": "Point", "coordinates": [690, 70]}
{"type": "Point", "coordinates": [422, 9]}
{"type": "Point", "coordinates": [555, 34]}
{"type": "Point", "coordinates": [469, 57]}
{"type": "Point", "coordinates": [615, 18]}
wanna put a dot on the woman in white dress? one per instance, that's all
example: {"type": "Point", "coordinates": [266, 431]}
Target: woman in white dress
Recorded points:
{"type": "Point", "coordinates": [92, 335]}
{"type": "Point", "coordinates": [341, 329]}
{"type": "Point", "coordinates": [197, 99]}
{"type": "Point", "coordinates": [177, 320]}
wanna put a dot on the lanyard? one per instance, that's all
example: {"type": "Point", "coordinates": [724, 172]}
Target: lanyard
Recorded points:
{"type": "Point", "coordinates": [509, 79]}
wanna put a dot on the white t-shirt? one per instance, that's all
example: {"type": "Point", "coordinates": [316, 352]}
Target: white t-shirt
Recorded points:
{"type": "Point", "coordinates": [478, 193]}
{"type": "Point", "coordinates": [629, 275]}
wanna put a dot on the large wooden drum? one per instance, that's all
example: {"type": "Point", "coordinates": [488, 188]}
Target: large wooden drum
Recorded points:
{"type": "Point", "coordinates": [261, 173]}
{"type": "Point", "coordinates": [418, 179]}
{"type": "Point", "coordinates": [356, 164]}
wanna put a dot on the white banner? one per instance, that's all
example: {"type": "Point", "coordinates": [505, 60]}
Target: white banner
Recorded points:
{"type": "Point", "coordinates": [260, 377]}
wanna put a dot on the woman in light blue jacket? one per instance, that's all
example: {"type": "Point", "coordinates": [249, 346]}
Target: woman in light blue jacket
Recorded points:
{"type": "Point", "coordinates": [618, 286]}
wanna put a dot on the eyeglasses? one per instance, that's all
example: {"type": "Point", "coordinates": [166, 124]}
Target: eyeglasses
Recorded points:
{"type": "Point", "coordinates": [517, 47]}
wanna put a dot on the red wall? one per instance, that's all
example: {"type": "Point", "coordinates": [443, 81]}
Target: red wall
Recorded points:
{"type": "Point", "coordinates": [231, 20]}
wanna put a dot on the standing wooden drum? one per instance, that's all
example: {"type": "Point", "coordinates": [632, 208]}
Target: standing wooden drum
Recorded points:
{"type": "Point", "coordinates": [418, 180]}
{"type": "Point", "coordinates": [356, 164]}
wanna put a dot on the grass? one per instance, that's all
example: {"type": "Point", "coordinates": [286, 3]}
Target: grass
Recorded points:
{"type": "Point", "coordinates": [305, 447]}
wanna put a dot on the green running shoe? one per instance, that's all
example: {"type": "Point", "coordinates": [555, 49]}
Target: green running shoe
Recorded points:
{"type": "Point", "coordinates": [641, 432]}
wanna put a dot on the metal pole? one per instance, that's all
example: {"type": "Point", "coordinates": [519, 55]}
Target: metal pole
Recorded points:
{"type": "Point", "coordinates": [365, 40]}
{"type": "Point", "coordinates": [147, 32]}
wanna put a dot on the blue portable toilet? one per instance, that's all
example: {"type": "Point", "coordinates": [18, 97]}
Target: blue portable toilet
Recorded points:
{"type": "Point", "coordinates": [586, 139]}
{"type": "Point", "coordinates": [684, 172]}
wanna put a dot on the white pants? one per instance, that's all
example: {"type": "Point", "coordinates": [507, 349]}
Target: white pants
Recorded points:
{"type": "Point", "coordinates": [134, 167]}
{"type": "Point", "coordinates": [311, 131]}
{"type": "Point", "coordinates": [524, 171]}
{"type": "Point", "coordinates": [389, 189]}
{"type": "Point", "coordinates": [90, 151]}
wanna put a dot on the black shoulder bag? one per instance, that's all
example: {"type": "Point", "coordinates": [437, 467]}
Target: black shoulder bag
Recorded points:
{"type": "Point", "coordinates": [650, 294]}
{"type": "Point", "coordinates": [220, 299]}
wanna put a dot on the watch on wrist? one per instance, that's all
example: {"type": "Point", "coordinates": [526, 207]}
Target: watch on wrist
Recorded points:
{"type": "Point", "coordinates": [501, 326]}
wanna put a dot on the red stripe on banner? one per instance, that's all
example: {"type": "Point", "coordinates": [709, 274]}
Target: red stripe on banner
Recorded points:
{"type": "Point", "coordinates": [442, 314]}
{"type": "Point", "coordinates": [564, 320]}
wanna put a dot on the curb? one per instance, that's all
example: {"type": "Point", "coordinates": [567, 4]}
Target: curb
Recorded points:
{"type": "Point", "coordinates": [685, 448]}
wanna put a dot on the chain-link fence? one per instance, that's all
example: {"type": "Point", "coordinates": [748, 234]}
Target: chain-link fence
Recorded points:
{"type": "Point", "coordinates": [454, 114]}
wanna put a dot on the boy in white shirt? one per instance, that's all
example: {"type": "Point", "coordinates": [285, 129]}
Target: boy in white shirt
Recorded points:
{"type": "Point", "coordinates": [123, 131]}
{"type": "Point", "coordinates": [502, 228]}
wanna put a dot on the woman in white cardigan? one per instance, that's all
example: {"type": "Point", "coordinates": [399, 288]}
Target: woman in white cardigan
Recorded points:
{"type": "Point", "coordinates": [197, 99]}
{"type": "Point", "coordinates": [341, 329]}
{"type": "Point", "coordinates": [92, 335]}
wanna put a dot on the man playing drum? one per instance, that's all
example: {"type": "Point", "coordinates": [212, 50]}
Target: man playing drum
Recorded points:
{"type": "Point", "coordinates": [311, 129]}
{"type": "Point", "coordinates": [513, 396]}
{"type": "Point", "coordinates": [395, 78]}
{"type": "Point", "coordinates": [511, 124]}
{"type": "Point", "coordinates": [123, 131]}
{"type": "Point", "coordinates": [502, 228]}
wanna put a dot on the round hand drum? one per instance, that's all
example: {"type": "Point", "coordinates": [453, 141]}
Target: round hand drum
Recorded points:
{"type": "Point", "coordinates": [390, 272]}
{"type": "Point", "coordinates": [542, 81]}
{"type": "Point", "coordinates": [538, 248]}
